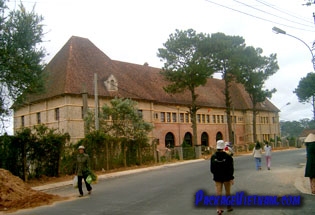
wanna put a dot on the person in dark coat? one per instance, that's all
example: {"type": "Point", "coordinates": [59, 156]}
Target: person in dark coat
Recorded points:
{"type": "Point", "coordinates": [83, 170]}
{"type": "Point", "coordinates": [222, 168]}
{"type": "Point", "coordinates": [310, 160]}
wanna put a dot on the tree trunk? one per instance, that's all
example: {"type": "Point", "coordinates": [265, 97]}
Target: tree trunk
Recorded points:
{"type": "Point", "coordinates": [24, 161]}
{"type": "Point", "coordinates": [193, 112]}
{"type": "Point", "coordinates": [107, 156]}
{"type": "Point", "coordinates": [125, 155]}
{"type": "Point", "coordinates": [228, 111]}
{"type": "Point", "coordinates": [254, 124]}
{"type": "Point", "coordinates": [139, 154]}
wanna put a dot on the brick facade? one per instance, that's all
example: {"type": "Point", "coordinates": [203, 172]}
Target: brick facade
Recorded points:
{"type": "Point", "coordinates": [71, 71]}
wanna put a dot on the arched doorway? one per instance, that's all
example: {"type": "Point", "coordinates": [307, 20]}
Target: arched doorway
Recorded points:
{"type": "Point", "coordinates": [169, 140]}
{"type": "Point", "coordinates": [204, 139]}
{"type": "Point", "coordinates": [219, 136]}
{"type": "Point", "coordinates": [188, 138]}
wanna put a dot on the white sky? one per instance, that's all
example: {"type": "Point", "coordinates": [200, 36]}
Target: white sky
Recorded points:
{"type": "Point", "coordinates": [132, 31]}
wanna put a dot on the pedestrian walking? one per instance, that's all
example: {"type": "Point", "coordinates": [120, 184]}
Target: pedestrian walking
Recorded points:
{"type": "Point", "coordinates": [222, 168]}
{"type": "Point", "coordinates": [83, 170]}
{"type": "Point", "coordinates": [267, 149]}
{"type": "Point", "coordinates": [310, 160]}
{"type": "Point", "coordinates": [257, 153]}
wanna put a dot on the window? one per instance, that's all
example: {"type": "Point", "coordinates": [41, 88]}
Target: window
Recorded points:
{"type": "Point", "coordinates": [266, 137]}
{"type": "Point", "coordinates": [57, 114]}
{"type": "Point", "coordinates": [168, 117]}
{"type": "Point", "coordinates": [156, 115]}
{"type": "Point", "coordinates": [264, 120]}
{"type": "Point", "coordinates": [187, 117]}
{"type": "Point", "coordinates": [218, 118]}
{"type": "Point", "coordinates": [203, 118]}
{"type": "Point", "coordinates": [38, 118]}
{"type": "Point", "coordinates": [22, 121]}
{"type": "Point", "coordinates": [198, 118]}
{"type": "Point", "coordinates": [112, 85]}
{"type": "Point", "coordinates": [214, 119]}
{"type": "Point", "coordinates": [222, 119]}
{"type": "Point", "coordinates": [181, 117]}
{"type": "Point", "coordinates": [208, 118]}
{"type": "Point", "coordinates": [174, 116]}
{"type": "Point", "coordinates": [162, 117]}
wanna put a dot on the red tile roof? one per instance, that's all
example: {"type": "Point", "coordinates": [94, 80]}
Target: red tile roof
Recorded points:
{"type": "Point", "coordinates": [72, 71]}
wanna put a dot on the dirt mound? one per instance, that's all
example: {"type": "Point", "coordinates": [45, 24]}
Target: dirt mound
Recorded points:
{"type": "Point", "coordinates": [15, 194]}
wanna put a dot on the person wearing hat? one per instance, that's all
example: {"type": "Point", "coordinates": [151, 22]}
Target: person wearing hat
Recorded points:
{"type": "Point", "coordinates": [222, 168]}
{"type": "Point", "coordinates": [83, 170]}
{"type": "Point", "coordinates": [310, 160]}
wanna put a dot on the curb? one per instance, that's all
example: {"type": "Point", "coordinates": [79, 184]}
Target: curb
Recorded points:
{"type": "Point", "coordinates": [301, 183]}
{"type": "Point", "coordinates": [114, 174]}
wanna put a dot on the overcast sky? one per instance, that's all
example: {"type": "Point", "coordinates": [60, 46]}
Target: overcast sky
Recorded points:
{"type": "Point", "coordinates": [133, 30]}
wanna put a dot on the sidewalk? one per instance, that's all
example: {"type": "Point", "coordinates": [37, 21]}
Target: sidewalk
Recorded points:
{"type": "Point", "coordinates": [301, 183]}
{"type": "Point", "coordinates": [114, 175]}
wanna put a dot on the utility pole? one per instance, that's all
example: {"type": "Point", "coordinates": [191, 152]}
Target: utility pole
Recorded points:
{"type": "Point", "coordinates": [85, 108]}
{"type": "Point", "coordinates": [96, 103]}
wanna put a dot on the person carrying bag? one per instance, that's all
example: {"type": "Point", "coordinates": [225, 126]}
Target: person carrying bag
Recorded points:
{"type": "Point", "coordinates": [83, 170]}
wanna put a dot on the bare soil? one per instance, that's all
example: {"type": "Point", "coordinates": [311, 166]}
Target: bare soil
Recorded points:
{"type": "Point", "coordinates": [15, 194]}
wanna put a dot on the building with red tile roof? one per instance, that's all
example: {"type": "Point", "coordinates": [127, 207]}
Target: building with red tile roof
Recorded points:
{"type": "Point", "coordinates": [70, 74]}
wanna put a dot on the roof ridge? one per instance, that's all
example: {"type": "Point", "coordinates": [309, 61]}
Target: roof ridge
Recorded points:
{"type": "Point", "coordinates": [72, 70]}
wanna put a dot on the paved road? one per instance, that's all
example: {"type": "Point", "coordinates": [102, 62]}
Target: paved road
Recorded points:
{"type": "Point", "coordinates": [171, 189]}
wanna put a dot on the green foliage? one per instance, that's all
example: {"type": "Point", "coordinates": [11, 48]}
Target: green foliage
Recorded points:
{"type": "Point", "coordinates": [306, 90]}
{"type": "Point", "coordinates": [7, 152]}
{"type": "Point", "coordinates": [292, 142]}
{"type": "Point", "coordinates": [185, 67]}
{"type": "Point", "coordinates": [255, 70]}
{"type": "Point", "coordinates": [225, 53]}
{"type": "Point", "coordinates": [185, 144]}
{"type": "Point", "coordinates": [122, 138]}
{"type": "Point", "coordinates": [21, 57]}
{"type": "Point", "coordinates": [47, 150]}
{"type": "Point", "coordinates": [251, 146]}
{"type": "Point", "coordinates": [96, 144]}
{"type": "Point", "coordinates": [295, 128]}
{"type": "Point", "coordinates": [33, 152]}
{"type": "Point", "coordinates": [189, 153]}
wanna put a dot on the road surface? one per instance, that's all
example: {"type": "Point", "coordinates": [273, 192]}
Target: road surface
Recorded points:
{"type": "Point", "coordinates": [172, 189]}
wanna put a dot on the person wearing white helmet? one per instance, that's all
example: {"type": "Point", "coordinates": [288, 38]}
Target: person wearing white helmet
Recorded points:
{"type": "Point", "coordinates": [222, 168]}
{"type": "Point", "coordinates": [83, 170]}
